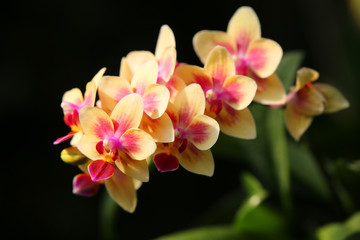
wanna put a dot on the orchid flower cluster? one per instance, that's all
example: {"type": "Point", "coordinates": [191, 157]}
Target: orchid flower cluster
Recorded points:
{"type": "Point", "coordinates": [171, 113]}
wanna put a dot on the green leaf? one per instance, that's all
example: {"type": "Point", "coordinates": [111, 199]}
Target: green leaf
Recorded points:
{"type": "Point", "coordinates": [255, 196]}
{"type": "Point", "coordinates": [305, 168]}
{"type": "Point", "coordinates": [279, 153]}
{"type": "Point", "coordinates": [336, 231]}
{"type": "Point", "coordinates": [209, 233]}
{"type": "Point", "coordinates": [264, 221]}
{"type": "Point", "coordinates": [288, 66]}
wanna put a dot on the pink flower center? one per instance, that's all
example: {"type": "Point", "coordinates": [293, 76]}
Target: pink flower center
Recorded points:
{"type": "Point", "coordinates": [109, 147]}
{"type": "Point", "coordinates": [214, 100]}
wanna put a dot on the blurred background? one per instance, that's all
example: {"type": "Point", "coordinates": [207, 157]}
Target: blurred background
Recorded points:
{"type": "Point", "coordinates": [53, 46]}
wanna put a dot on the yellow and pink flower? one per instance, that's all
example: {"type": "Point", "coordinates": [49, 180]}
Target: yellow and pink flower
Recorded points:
{"type": "Point", "coordinates": [307, 100]}
{"type": "Point", "coordinates": [73, 101]}
{"type": "Point", "coordinates": [195, 134]}
{"type": "Point", "coordinates": [254, 56]}
{"type": "Point", "coordinates": [227, 94]}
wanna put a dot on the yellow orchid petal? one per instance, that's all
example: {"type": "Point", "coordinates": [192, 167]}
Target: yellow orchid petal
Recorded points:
{"type": "Point", "coordinates": [145, 75]}
{"type": "Point", "coordinates": [111, 90]}
{"type": "Point", "coordinates": [203, 132]}
{"type": "Point", "coordinates": [204, 41]}
{"type": "Point", "coordinates": [167, 62]}
{"type": "Point", "coordinates": [263, 56]}
{"type": "Point", "coordinates": [125, 70]}
{"type": "Point", "coordinates": [335, 100]}
{"type": "Point", "coordinates": [270, 90]}
{"type": "Point", "coordinates": [98, 76]}
{"type": "Point", "coordinates": [237, 123]}
{"type": "Point", "coordinates": [96, 123]}
{"type": "Point", "coordinates": [238, 91]}
{"type": "Point", "coordinates": [90, 94]}
{"type": "Point", "coordinates": [172, 112]}
{"type": "Point", "coordinates": [121, 189]}
{"type": "Point", "coordinates": [161, 129]}
{"type": "Point", "coordinates": [296, 122]}
{"type": "Point", "coordinates": [165, 39]}
{"type": "Point", "coordinates": [97, 126]}
{"type": "Point", "coordinates": [137, 144]}
{"type": "Point", "coordinates": [194, 74]}
{"type": "Point", "coordinates": [174, 85]}
{"type": "Point", "coordinates": [133, 168]}
{"type": "Point", "coordinates": [76, 138]}
{"type": "Point", "coordinates": [73, 96]}
{"type": "Point", "coordinates": [220, 65]}
{"type": "Point", "coordinates": [305, 75]}
{"type": "Point", "coordinates": [309, 101]}
{"type": "Point", "coordinates": [197, 161]}
{"type": "Point", "coordinates": [127, 113]}
{"type": "Point", "coordinates": [189, 103]}
{"type": "Point", "coordinates": [155, 99]}
{"type": "Point", "coordinates": [135, 59]}
{"type": "Point", "coordinates": [244, 27]}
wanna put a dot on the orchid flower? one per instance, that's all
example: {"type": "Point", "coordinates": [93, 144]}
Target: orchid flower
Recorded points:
{"type": "Point", "coordinates": [71, 104]}
{"type": "Point", "coordinates": [155, 98]}
{"type": "Point", "coordinates": [115, 141]}
{"type": "Point", "coordinates": [165, 55]}
{"type": "Point", "coordinates": [227, 95]}
{"type": "Point", "coordinates": [307, 100]}
{"type": "Point", "coordinates": [195, 134]}
{"type": "Point", "coordinates": [254, 56]}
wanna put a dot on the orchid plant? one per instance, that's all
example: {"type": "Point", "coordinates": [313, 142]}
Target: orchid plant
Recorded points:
{"type": "Point", "coordinates": [162, 112]}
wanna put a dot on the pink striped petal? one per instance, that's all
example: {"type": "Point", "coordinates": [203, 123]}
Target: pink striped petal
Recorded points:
{"type": "Point", "coordinates": [137, 169]}
{"type": "Point", "coordinates": [166, 162]}
{"type": "Point", "coordinates": [122, 190]}
{"type": "Point", "coordinates": [204, 41]}
{"type": "Point", "coordinates": [197, 161]}
{"type": "Point", "coordinates": [203, 132]}
{"type": "Point", "coordinates": [263, 57]}
{"type": "Point", "coordinates": [161, 129]}
{"type": "Point", "coordinates": [84, 186]}
{"type": "Point", "coordinates": [96, 123]}
{"type": "Point", "coordinates": [111, 90]}
{"type": "Point", "coordinates": [127, 113]}
{"type": "Point", "coordinates": [138, 144]}
{"type": "Point", "coordinates": [244, 27]}
{"type": "Point", "coordinates": [167, 62]}
{"type": "Point", "coordinates": [155, 100]}
{"type": "Point", "coordinates": [238, 91]}
{"type": "Point", "coordinates": [194, 74]}
{"type": "Point", "coordinates": [145, 75]}
{"type": "Point", "coordinates": [165, 40]}
{"type": "Point", "coordinates": [174, 85]}
{"type": "Point", "coordinates": [189, 103]}
{"type": "Point", "coordinates": [64, 138]}
{"type": "Point", "coordinates": [90, 94]}
{"type": "Point", "coordinates": [220, 65]}
{"type": "Point", "coordinates": [100, 170]}
{"type": "Point", "coordinates": [237, 123]}
{"type": "Point", "coordinates": [309, 101]}
{"type": "Point", "coordinates": [71, 100]}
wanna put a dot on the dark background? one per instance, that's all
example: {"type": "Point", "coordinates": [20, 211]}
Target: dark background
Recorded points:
{"type": "Point", "coordinates": [49, 47]}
